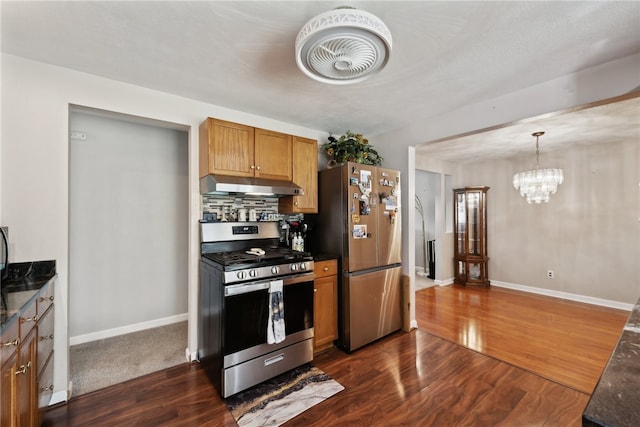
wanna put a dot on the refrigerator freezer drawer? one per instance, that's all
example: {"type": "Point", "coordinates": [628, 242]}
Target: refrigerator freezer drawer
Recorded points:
{"type": "Point", "coordinates": [372, 307]}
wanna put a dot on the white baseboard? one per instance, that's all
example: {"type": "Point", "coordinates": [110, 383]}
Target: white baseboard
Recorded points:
{"type": "Point", "coordinates": [413, 324]}
{"type": "Point", "coordinates": [564, 295]}
{"type": "Point", "coordinates": [109, 333]}
{"type": "Point", "coordinates": [58, 397]}
{"type": "Point", "coordinates": [444, 282]}
{"type": "Point", "coordinates": [191, 356]}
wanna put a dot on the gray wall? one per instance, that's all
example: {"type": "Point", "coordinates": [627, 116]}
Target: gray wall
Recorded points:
{"type": "Point", "coordinates": [427, 190]}
{"type": "Point", "coordinates": [128, 224]}
{"type": "Point", "coordinates": [588, 232]}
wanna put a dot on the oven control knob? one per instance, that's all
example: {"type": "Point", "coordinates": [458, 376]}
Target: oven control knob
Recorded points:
{"type": "Point", "coordinates": [303, 266]}
{"type": "Point", "coordinates": [241, 275]}
{"type": "Point", "coordinates": [293, 267]}
{"type": "Point", "coordinates": [275, 269]}
{"type": "Point", "coordinates": [253, 273]}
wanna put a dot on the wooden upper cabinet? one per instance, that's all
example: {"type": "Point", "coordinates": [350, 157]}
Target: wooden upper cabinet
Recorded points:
{"type": "Point", "coordinates": [273, 155]}
{"type": "Point", "coordinates": [305, 174]}
{"type": "Point", "coordinates": [233, 149]}
{"type": "Point", "coordinates": [226, 148]}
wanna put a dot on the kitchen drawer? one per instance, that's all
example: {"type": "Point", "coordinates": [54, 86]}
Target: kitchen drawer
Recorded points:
{"type": "Point", "coordinates": [45, 338]}
{"type": "Point", "coordinates": [326, 268]}
{"type": "Point", "coordinates": [45, 299]}
{"type": "Point", "coordinates": [28, 320]}
{"type": "Point", "coordinates": [9, 341]}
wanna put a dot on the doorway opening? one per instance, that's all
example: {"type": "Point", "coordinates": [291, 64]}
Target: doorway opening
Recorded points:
{"type": "Point", "coordinates": [128, 240]}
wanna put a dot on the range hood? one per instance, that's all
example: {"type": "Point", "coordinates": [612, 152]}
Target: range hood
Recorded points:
{"type": "Point", "coordinates": [220, 184]}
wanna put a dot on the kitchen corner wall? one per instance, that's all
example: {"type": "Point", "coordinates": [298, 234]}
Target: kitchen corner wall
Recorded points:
{"type": "Point", "coordinates": [35, 169]}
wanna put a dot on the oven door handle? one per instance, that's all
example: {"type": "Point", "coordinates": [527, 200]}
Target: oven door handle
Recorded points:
{"type": "Point", "coordinates": [245, 288]}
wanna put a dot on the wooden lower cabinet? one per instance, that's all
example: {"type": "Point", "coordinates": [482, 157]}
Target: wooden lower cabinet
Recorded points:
{"type": "Point", "coordinates": [325, 310]}
{"type": "Point", "coordinates": [8, 389]}
{"type": "Point", "coordinates": [26, 381]}
{"type": "Point", "coordinates": [26, 365]}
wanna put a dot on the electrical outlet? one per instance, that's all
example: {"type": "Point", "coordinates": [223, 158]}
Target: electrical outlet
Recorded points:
{"type": "Point", "coordinates": [550, 274]}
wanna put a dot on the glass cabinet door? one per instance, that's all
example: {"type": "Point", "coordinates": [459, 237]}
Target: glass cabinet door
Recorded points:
{"type": "Point", "coordinates": [470, 240]}
{"type": "Point", "coordinates": [461, 223]}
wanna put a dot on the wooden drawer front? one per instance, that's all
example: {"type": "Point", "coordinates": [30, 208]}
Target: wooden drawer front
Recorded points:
{"type": "Point", "coordinates": [45, 299]}
{"type": "Point", "coordinates": [326, 268]}
{"type": "Point", "coordinates": [9, 342]}
{"type": "Point", "coordinates": [45, 338]}
{"type": "Point", "coordinates": [28, 320]}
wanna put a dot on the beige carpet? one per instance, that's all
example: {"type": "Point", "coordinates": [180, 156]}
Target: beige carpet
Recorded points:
{"type": "Point", "coordinates": [99, 364]}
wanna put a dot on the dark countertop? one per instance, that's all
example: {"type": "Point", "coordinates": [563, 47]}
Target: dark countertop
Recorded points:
{"type": "Point", "coordinates": [616, 398]}
{"type": "Point", "coordinates": [324, 257]}
{"type": "Point", "coordinates": [24, 281]}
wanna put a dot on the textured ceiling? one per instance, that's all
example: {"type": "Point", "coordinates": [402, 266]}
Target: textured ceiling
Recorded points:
{"type": "Point", "coordinates": [240, 55]}
{"type": "Point", "coordinates": [594, 124]}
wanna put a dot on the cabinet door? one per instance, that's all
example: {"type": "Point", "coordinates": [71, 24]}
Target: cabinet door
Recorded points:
{"type": "Point", "coordinates": [305, 174]}
{"type": "Point", "coordinates": [8, 391]}
{"type": "Point", "coordinates": [273, 155]}
{"type": "Point", "coordinates": [325, 314]}
{"type": "Point", "coordinates": [226, 148]}
{"type": "Point", "coordinates": [45, 338]}
{"type": "Point", "coordinates": [26, 380]}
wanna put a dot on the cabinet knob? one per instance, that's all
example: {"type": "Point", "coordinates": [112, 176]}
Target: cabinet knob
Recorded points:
{"type": "Point", "coordinates": [10, 343]}
{"type": "Point", "coordinates": [23, 368]}
{"type": "Point", "coordinates": [252, 167]}
{"type": "Point", "coordinates": [258, 167]}
{"type": "Point", "coordinates": [29, 319]}
{"type": "Point", "coordinates": [326, 269]}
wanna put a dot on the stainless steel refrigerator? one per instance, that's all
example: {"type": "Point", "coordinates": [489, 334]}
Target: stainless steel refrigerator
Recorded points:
{"type": "Point", "coordinates": [359, 220]}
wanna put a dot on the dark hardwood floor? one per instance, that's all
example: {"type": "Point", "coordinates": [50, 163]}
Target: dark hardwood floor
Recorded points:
{"type": "Point", "coordinates": [416, 378]}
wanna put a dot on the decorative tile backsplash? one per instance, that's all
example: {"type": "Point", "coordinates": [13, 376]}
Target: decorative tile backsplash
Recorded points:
{"type": "Point", "coordinates": [266, 207]}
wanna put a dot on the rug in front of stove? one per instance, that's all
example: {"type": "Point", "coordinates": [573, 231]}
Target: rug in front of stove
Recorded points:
{"type": "Point", "coordinates": [279, 399]}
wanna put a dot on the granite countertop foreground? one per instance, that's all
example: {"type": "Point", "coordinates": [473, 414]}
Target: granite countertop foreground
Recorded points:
{"type": "Point", "coordinates": [24, 280]}
{"type": "Point", "coordinates": [616, 399]}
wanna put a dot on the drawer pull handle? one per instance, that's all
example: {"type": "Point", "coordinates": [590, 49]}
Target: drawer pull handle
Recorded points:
{"type": "Point", "coordinates": [10, 343]}
{"type": "Point", "coordinates": [29, 319]}
{"type": "Point", "coordinates": [274, 359]}
{"type": "Point", "coordinates": [43, 299]}
{"type": "Point", "coordinates": [45, 337]}
{"type": "Point", "coordinates": [326, 269]}
{"type": "Point", "coordinates": [23, 368]}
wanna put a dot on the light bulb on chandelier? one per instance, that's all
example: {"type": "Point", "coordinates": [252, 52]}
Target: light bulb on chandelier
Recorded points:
{"type": "Point", "coordinates": [538, 184]}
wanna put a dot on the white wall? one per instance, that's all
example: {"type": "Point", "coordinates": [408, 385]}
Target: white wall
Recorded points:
{"type": "Point", "coordinates": [35, 167]}
{"type": "Point", "coordinates": [128, 225]}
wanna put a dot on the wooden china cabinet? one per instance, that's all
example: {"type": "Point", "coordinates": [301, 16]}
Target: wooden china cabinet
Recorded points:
{"type": "Point", "coordinates": [470, 236]}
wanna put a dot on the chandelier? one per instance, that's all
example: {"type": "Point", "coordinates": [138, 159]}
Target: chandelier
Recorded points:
{"type": "Point", "coordinates": [537, 184]}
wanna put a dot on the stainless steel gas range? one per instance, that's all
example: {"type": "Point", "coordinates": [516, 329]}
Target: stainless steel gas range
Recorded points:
{"type": "Point", "coordinates": [241, 267]}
